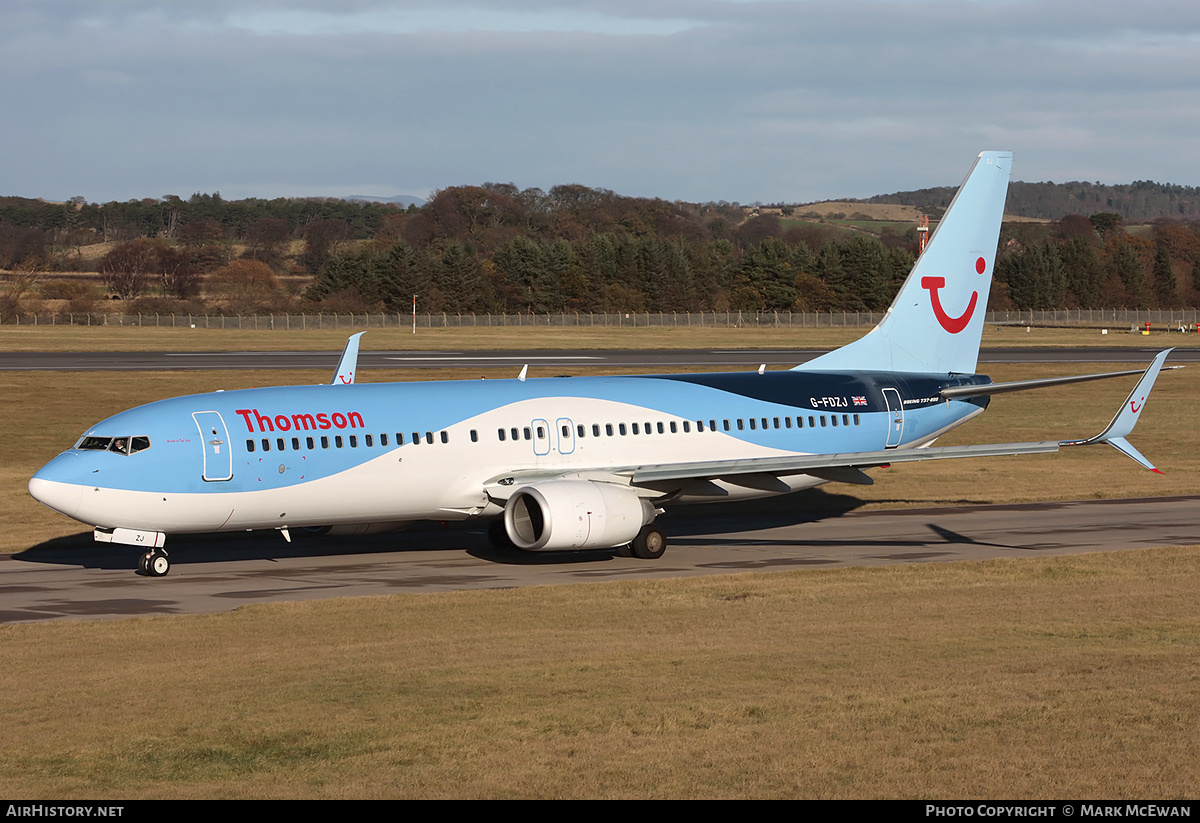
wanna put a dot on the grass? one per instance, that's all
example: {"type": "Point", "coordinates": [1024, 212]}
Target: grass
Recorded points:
{"type": "Point", "coordinates": [1070, 677]}
{"type": "Point", "coordinates": [127, 338]}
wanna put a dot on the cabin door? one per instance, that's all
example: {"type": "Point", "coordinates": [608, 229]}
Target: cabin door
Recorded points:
{"type": "Point", "coordinates": [541, 437]}
{"type": "Point", "coordinates": [218, 456]}
{"type": "Point", "coordinates": [895, 417]}
{"type": "Point", "coordinates": [566, 435]}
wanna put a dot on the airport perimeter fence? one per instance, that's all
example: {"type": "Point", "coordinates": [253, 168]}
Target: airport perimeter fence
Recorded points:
{"type": "Point", "coordinates": [1171, 319]}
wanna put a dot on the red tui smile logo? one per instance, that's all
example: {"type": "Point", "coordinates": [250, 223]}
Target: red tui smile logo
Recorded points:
{"type": "Point", "coordinates": [951, 324]}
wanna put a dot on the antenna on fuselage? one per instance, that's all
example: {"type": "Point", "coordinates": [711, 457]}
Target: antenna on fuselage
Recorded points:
{"type": "Point", "coordinates": [348, 365]}
{"type": "Point", "coordinates": [524, 371]}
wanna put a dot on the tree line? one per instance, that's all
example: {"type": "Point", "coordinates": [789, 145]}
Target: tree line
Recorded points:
{"type": "Point", "coordinates": [496, 248]}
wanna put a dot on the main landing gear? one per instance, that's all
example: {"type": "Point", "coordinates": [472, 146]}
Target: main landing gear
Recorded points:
{"type": "Point", "coordinates": [649, 544]}
{"type": "Point", "coordinates": [154, 563]}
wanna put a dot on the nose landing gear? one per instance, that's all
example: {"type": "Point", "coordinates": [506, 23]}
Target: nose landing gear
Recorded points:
{"type": "Point", "coordinates": [154, 563]}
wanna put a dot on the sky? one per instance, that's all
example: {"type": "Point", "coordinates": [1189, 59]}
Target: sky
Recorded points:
{"type": "Point", "coordinates": [697, 100]}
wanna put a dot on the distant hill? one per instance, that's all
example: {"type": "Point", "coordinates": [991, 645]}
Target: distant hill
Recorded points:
{"type": "Point", "coordinates": [1138, 202]}
{"type": "Point", "coordinates": [400, 199]}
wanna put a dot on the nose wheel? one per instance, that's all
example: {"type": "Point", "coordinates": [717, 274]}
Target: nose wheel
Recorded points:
{"type": "Point", "coordinates": [154, 563]}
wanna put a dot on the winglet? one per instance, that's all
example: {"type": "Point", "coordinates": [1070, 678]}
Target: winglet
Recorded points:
{"type": "Point", "coordinates": [349, 362]}
{"type": "Point", "coordinates": [1126, 418]}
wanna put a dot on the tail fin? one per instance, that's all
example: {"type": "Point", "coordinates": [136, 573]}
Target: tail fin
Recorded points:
{"type": "Point", "coordinates": [936, 321]}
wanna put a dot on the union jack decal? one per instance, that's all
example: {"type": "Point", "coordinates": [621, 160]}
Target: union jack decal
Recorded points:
{"type": "Point", "coordinates": [859, 400]}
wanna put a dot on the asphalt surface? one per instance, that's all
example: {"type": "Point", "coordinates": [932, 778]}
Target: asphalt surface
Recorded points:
{"type": "Point", "coordinates": [75, 578]}
{"type": "Point", "coordinates": [652, 360]}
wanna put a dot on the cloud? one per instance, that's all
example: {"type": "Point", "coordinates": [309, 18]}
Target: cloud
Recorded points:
{"type": "Point", "coordinates": [749, 101]}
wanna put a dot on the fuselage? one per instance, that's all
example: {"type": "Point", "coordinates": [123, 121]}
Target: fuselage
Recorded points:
{"type": "Point", "coordinates": [388, 452]}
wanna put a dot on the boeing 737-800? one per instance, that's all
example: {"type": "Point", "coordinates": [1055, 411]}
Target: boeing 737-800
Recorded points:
{"type": "Point", "coordinates": [566, 463]}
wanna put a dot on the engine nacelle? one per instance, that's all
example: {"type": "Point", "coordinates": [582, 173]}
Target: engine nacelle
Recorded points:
{"type": "Point", "coordinates": [574, 514]}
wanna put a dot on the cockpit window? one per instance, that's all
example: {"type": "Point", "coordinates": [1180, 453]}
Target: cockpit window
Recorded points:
{"type": "Point", "coordinates": [120, 445]}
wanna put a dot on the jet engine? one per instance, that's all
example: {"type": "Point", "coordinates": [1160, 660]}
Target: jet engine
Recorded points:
{"type": "Point", "coordinates": [574, 514]}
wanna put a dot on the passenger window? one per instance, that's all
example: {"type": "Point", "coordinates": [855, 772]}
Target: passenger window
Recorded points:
{"type": "Point", "coordinates": [541, 432]}
{"type": "Point", "coordinates": [687, 426]}
{"type": "Point", "coordinates": [416, 438]}
{"type": "Point", "coordinates": [822, 421]}
{"type": "Point", "coordinates": [528, 434]}
{"type": "Point", "coordinates": [621, 428]}
{"type": "Point", "coordinates": [856, 419]}
{"type": "Point", "coordinates": [752, 422]}
{"type": "Point", "coordinates": [354, 441]}
{"type": "Point", "coordinates": [674, 429]}
{"type": "Point", "coordinates": [445, 437]}
{"type": "Point", "coordinates": [474, 436]}
{"type": "Point", "coordinates": [296, 443]}
{"type": "Point", "coordinates": [787, 422]}
{"type": "Point", "coordinates": [337, 440]}
{"type": "Point", "coordinates": [608, 429]}
{"type": "Point", "coordinates": [726, 423]}
{"type": "Point", "coordinates": [741, 424]}
{"type": "Point", "coordinates": [659, 426]}
{"type": "Point", "coordinates": [383, 439]}
{"type": "Point", "coordinates": [324, 441]}
{"type": "Point", "coordinates": [633, 427]}
{"type": "Point", "coordinates": [515, 436]}
{"type": "Point", "coordinates": [699, 425]}
{"type": "Point", "coordinates": [429, 438]}
{"type": "Point", "coordinates": [812, 421]}
{"type": "Point", "coordinates": [280, 444]}
{"type": "Point", "coordinates": [595, 430]}
{"type": "Point", "coordinates": [370, 441]}
{"type": "Point", "coordinates": [308, 442]}
{"type": "Point", "coordinates": [832, 419]}
{"type": "Point", "coordinates": [266, 444]}
{"type": "Point", "coordinates": [249, 445]}
{"type": "Point", "coordinates": [845, 420]}
{"type": "Point", "coordinates": [500, 434]}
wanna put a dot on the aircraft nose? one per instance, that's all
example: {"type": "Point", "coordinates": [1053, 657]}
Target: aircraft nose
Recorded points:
{"type": "Point", "coordinates": [57, 486]}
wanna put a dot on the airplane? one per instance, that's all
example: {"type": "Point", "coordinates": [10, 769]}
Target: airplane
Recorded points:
{"type": "Point", "coordinates": [568, 463]}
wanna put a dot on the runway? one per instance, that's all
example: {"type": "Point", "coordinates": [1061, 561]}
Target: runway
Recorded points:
{"type": "Point", "coordinates": [75, 578]}
{"type": "Point", "coordinates": [565, 360]}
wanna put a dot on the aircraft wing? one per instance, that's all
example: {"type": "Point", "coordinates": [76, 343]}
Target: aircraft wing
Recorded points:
{"type": "Point", "coordinates": [819, 465]}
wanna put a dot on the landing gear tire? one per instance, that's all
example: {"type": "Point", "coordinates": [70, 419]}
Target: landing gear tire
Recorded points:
{"type": "Point", "coordinates": [650, 543]}
{"type": "Point", "coordinates": [144, 563]}
{"type": "Point", "coordinates": [156, 563]}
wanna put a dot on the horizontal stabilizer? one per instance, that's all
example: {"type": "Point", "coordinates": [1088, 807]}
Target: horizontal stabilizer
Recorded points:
{"type": "Point", "coordinates": [988, 389]}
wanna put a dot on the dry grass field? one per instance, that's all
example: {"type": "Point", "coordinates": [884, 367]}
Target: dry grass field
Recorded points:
{"type": "Point", "coordinates": [117, 338]}
{"type": "Point", "coordinates": [1070, 677]}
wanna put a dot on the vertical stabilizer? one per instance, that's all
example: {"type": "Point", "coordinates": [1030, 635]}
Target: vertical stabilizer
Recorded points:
{"type": "Point", "coordinates": [936, 321]}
